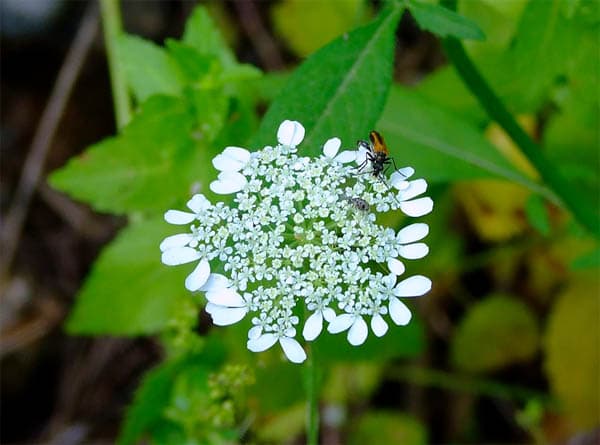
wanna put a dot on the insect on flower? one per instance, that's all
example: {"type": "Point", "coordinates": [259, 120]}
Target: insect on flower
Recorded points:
{"type": "Point", "coordinates": [377, 154]}
{"type": "Point", "coordinates": [357, 203]}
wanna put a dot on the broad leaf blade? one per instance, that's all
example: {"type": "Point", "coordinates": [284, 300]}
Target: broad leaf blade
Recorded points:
{"type": "Point", "coordinates": [340, 90]}
{"type": "Point", "coordinates": [441, 146]}
{"type": "Point", "coordinates": [202, 34]}
{"type": "Point", "coordinates": [444, 22]}
{"type": "Point", "coordinates": [153, 161]}
{"type": "Point", "coordinates": [148, 68]}
{"type": "Point", "coordinates": [129, 291]}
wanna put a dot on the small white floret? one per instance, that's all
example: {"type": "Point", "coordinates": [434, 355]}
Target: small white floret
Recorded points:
{"type": "Point", "coordinates": [290, 133]}
{"type": "Point", "coordinates": [378, 325]}
{"type": "Point", "coordinates": [358, 331]}
{"type": "Point", "coordinates": [179, 255]}
{"type": "Point", "coordinates": [399, 313]}
{"type": "Point", "coordinates": [198, 277]}
{"type": "Point", "coordinates": [417, 207]}
{"type": "Point", "coordinates": [292, 349]}
{"type": "Point", "coordinates": [414, 286]}
{"type": "Point", "coordinates": [412, 233]}
{"type": "Point", "coordinates": [414, 251]}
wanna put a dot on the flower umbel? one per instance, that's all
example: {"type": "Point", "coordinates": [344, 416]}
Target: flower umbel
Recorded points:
{"type": "Point", "coordinates": [301, 241]}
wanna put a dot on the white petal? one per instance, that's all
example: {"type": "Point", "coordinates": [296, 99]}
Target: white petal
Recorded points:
{"type": "Point", "coordinates": [290, 133]}
{"type": "Point", "coordinates": [358, 332]}
{"type": "Point", "coordinates": [313, 326]}
{"type": "Point", "coordinates": [179, 240]}
{"type": "Point", "coordinates": [414, 286]}
{"type": "Point", "coordinates": [398, 180]}
{"type": "Point", "coordinates": [346, 156]}
{"type": "Point", "coordinates": [340, 323]}
{"type": "Point", "coordinates": [226, 164]}
{"type": "Point", "coordinates": [328, 314]}
{"type": "Point", "coordinates": [232, 159]}
{"type": "Point", "coordinates": [215, 282]}
{"type": "Point", "coordinates": [198, 277]}
{"type": "Point", "coordinates": [198, 202]}
{"type": "Point", "coordinates": [228, 182]}
{"type": "Point", "coordinates": [361, 156]}
{"type": "Point", "coordinates": [224, 316]}
{"type": "Point", "coordinates": [179, 255]}
{"type": "Point", "coordinates": [331, 147]}
{"type": "Point", "coordinates": [417, 207]}
{"type": "Point", "coordinates": [406, 172]}
{"type": "Point", "coordinates": [378, 325]}
{"type": "Point", "coordinates": [399, 313]}
{"type": "Point", "coordinates": [226, 297]}
{"type": "Point", "coordinates": [254, 332]}
{"type": "Point", "coordinates": [261, 343]}
{"type": "Point", "coordinates": [179, 217]}
{"type": "Point", "coordinates": [412, 233]}
{"type": "Point", "coordinates": [395, 266]}
{"type": "Point", "coordinates": [389, 280]}
{"type": "Point", "coordinates": [416, 188]}
{"type": "Point", "coordinates": [238, 153]}
{"type": "Point", "coordinates": [292, 349]}
{"type": "Point", "coordinates": [414, 251]}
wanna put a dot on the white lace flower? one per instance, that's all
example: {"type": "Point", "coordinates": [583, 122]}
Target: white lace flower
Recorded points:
{"type": "Point", "coordinates": [331, 148]}
{"type": "Point", "coordinates": [301, 231]}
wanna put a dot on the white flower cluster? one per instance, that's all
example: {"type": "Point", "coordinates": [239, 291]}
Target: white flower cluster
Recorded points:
{"type": "Point", "coordinates": [301, 242]}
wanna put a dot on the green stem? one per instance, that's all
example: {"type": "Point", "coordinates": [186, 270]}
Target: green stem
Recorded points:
{"type": "Point", "coordinates": [311, 382]}
{"type": "Point", "coordinates": [461, 383]}
{"type": "Point", "coordinates": [491, 103]}
{"type": "Point", "coordinates": [113, 28]}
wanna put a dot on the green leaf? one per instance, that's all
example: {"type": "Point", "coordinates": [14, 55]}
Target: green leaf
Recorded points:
{"type": "Point", "coordinates": [302, 27]}
{"type": "Point", "coordinates": [150, 400]}
{"type": "Point", "coordinates": [444, 22]}
{"type": "Point", "coordinates": [202, 34]}
{"type": "Point", "coordinates": [129, 291]}
{"type": "Point", "coordinates": [159, 387]}
{"type": "Point", "coordinates": [441, 146]}
{"type": "Point", "coordinates": [496, 332]}
{"type": "Point", "coordinates": [338, 91]}
{"type": "Point", "coordinates": [537, 215]}
{"type": "Point", "coordinates": [544, 43]}
{"type": "Point", "coordinates": [155, 160]}
{"type": "Point", "coordinates": [148, 68]}
{"type": "Point", "coordinates": [194, 65]}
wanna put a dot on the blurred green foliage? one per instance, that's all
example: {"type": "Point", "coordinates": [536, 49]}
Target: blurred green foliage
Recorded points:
{"type": "Point", "coordinates": [493, 218]}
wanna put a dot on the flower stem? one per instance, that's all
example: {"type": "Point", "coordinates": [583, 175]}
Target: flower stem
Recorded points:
{"type": "Point", "coordinates": [113, 28]}
{"type": "Point", "coordinates": [311, 382]}
{"type": "Point", "coordinates": [497, 111]}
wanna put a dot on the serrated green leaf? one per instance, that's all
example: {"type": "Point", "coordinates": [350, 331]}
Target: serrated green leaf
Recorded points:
{"type": "Point", "coordinates": [153, 161]}
{"type": "Point", "coordinates": [496, 332]}
{"type": "Point", "coordinates": [444, 22]}
{"type": "Point", "coordinates": [537, 215]}
{"type": "Point", "coordinates": [441, 146]}
{"type": "Point", "coordinates": [572, 351]}
{"type": "Point", "coordinates": [129, 291]}
{"type": "Point", "coordinates": [148, 68]}
{"type": "Point", "coordinates": [193, 65]}
{"type": "Point", "coordinates": [338, 91]}
{"type": "Point", "coordinates": [202, 34]}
